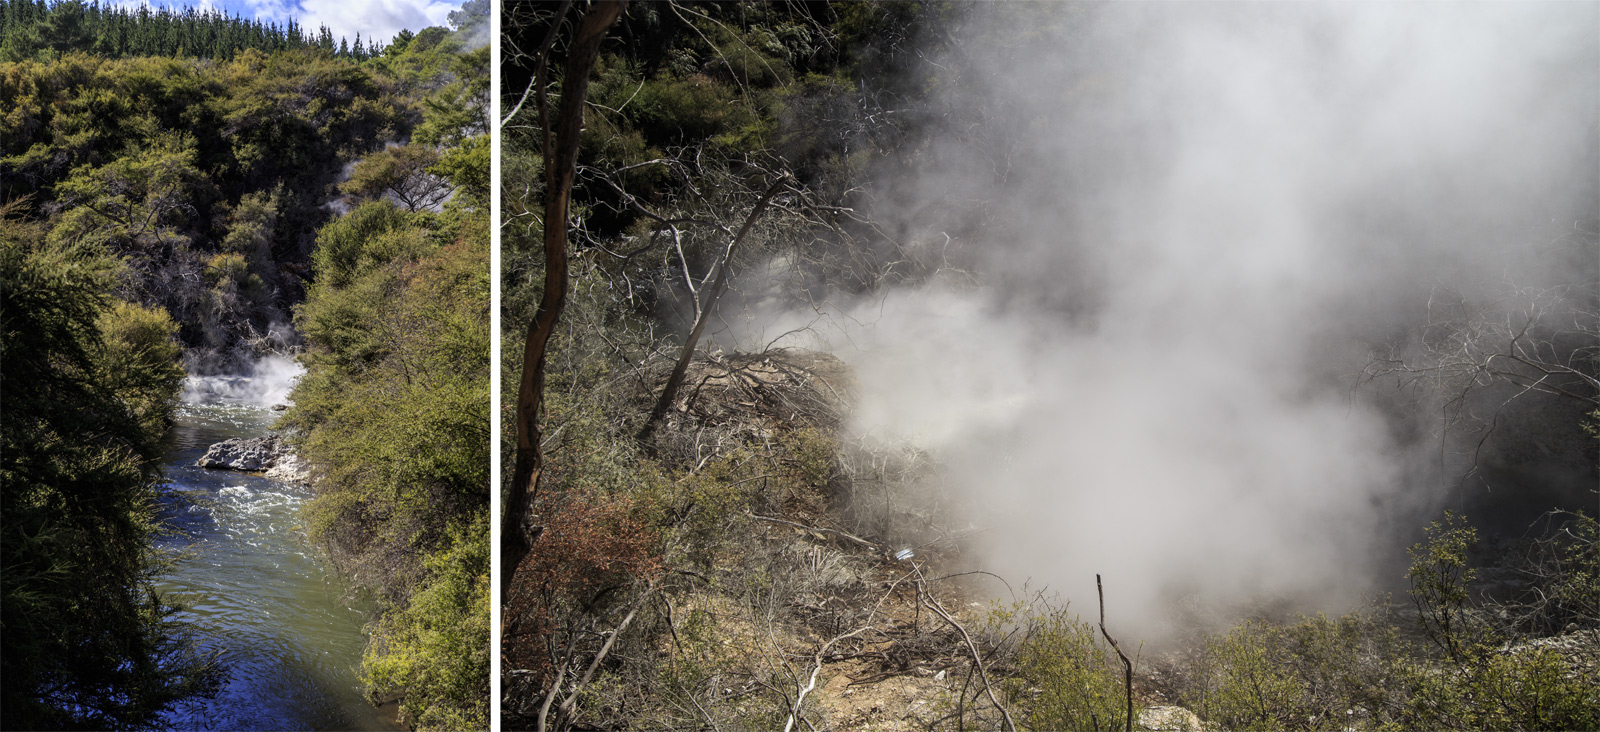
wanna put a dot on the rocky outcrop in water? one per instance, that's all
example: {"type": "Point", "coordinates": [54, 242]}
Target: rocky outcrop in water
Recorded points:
{"type": "Point", "coordinates": [245, 453]}
{"type": "Point", "coordinates": [271, 454]}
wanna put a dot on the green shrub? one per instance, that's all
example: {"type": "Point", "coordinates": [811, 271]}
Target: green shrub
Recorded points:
{"type": "Point", "coordinates": [141, 355]}
{"type": "Point", "coordinates": [393, 412]}
{"type": "Point", "coordinates": [346, 246]}
{"type": "Point", "coordinates": [1486, 680]}
{"type": "Point", "coordinates": [1523, 689]}
{"type": "Point", "coordinates": [1313, 675]}
{"type": "Point", "coordinates": [1063, 676]}
{"type": "Point", "coordinates": [89, 384]}
{"type": "Point", "coordinates": [1322, 673]}
{"type": "Point", "coordinates": [1439, 577]}
{"type": "Point", "coordinates": [435, 649]}
{"type": "Point", "coordinates": [674, 110]}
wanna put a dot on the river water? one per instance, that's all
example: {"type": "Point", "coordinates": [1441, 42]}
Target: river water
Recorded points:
{"type": "Point", "coordinates": [254, 587]}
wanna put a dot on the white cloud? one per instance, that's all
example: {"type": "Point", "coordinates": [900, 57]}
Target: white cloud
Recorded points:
{"type": "Point", "coordinates": [373, 19]}
{"type": "Point", "coordinates": [277, 11]}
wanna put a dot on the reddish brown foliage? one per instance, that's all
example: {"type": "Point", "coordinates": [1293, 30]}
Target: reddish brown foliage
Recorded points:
{"type": "Point", "coordinates": [593, 548]}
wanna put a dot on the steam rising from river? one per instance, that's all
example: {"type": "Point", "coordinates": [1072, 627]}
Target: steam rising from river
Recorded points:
{"type": "Point", "coordinates": [267, 383]}
{"type": "Point", "coordinates": [1169, 244]}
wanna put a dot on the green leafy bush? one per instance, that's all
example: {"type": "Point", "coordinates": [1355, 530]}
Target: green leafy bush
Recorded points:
{"type": "Point", "coordinates": [434, 648]}
{"type": "Point", "coordinates": [1318, 673]}
{"type": "Point", "coordinates": [348, 245]}
{"type": "Point", "coordinates": [89, 387]}
{"type": "Point", "coordinates": [1068, 678]}
{"type": "Point", "coordinates": [1321, 673]}
{"type": "Point", "coordinates": [393, 412]}
{"type": "Point", "coordinates": [679, 110]}
{"type": "Point", "coordinates": [141, 354]}
{"type": "Point", "coordinates": [1487, 680]}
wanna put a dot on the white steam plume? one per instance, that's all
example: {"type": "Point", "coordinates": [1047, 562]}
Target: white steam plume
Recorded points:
{"type": "Point", "coordinates": [268, 383]}
{"type": "Point", "coordinates": [1196, 221]}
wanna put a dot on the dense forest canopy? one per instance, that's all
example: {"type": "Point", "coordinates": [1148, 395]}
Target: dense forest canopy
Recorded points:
{"type": "Point", "coordinates": [29, 29]}
{"type": "Point", "coordinates": [213, 174]}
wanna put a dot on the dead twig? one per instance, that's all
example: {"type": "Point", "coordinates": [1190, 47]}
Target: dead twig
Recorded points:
{"type": "Point", "coordinates": [977, 659]}
{"type": "Point", "coordinates": [848, 537]}
{"type": "Point", "coordinates": [1127, 666]}
{"type": "Point", "coordinates": [564, 712]}
{"type": "Point", "coordinates": [811, 683]}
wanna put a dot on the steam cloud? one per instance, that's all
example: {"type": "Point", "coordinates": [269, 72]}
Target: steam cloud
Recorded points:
{"type": "Point", "coordinates": [1195, 221]}
{"type": "Point", "coordinates": [269, 382]}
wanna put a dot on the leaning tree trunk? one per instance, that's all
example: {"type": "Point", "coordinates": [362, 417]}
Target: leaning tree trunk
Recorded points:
{"type": "Point", "coordinates": [670, 391]}
{"type": "Point", "coordinates": [560, 148]}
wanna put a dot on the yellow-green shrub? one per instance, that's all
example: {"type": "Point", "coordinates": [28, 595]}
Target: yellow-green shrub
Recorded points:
{"type": "Point", "coordinates": [1063, 676]}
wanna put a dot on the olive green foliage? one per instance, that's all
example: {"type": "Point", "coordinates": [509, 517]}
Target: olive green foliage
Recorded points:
{"type": "Point", "coordinates": [1061, 674]}
{"type": "Point", "coordinates": [1306, 675]}
{"type": "Point", "coordinates": [1487, 680]}
{"type": "Point", "coordinates": [449, 151]}
{"type": "Point", "coordinates": [139, 201]}
{"type": "Point", "coordinates": [1572, 558]}
{"type": "Point", "coordinates": [170, 163]}
{"type": "Point", "coordinates": [89, 386]}
{"type": "Point", "coordinates": [456, 119]}
{"type": "Point", "coordinates": [420, 59]}
{"type": "Point", "coordinates": [467, 168]}
{"type": "Point", "coordinates": [195, 188]}
{"type": "Point", "coordinates": [401, 173]}
{"type": "Point", "coordinates": [394, 411]}
{"type": "Point", "coordinates": [1322, 673]}
{"type": "Point", "coordinates": [434, 648]}
{"type": "Point", "coordinates": [1439, 577]}
{"type": "Point", "coordinates": [460, 109]}
{"type": "Point", "coordinates": [141, 362]}
{"type": "Point", "coordinates": [1524, 689]}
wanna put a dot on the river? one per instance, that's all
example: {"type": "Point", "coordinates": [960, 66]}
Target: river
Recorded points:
{"type": "Point", "coordinates": [257, 591]}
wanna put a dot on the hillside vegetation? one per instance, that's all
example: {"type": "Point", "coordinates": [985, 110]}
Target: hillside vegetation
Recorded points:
{"type": "Point", "coordinates": [211, 176]}
{"type": "Point", "coordinates": [187, 191]}
{"type": "Point", "coordinates": [708, 543]}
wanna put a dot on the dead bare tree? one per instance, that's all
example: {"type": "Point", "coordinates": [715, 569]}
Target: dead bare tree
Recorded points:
{"type": "Point", "coordinates": [559, 145]}
{"type": "Point", "coordinates": [1473, 358]}
{"type": "Point", "coordinates": [1537, 340]}
{"type": "Point", "coordinates": [708, 306]}
{"type": "Point", "coordinates": [566, 710]}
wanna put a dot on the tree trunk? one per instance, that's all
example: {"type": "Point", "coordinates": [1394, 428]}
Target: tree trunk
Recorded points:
{"type": "Point", "coordinates": [518, 531]}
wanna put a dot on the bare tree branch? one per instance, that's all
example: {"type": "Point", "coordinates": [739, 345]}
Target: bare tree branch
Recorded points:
{"type": "Point", "coordinates": [932, 603]}
{"type": "Point", "coordinates": [708, 307]}
{"type": "Point", "coordinates": [537, 82]}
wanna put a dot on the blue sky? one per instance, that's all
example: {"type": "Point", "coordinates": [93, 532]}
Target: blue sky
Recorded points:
{"type": "Point", "coordinates": [371, 18]}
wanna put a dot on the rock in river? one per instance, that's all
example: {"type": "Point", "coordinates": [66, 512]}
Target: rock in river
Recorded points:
{"type": "Point", "coordinates": [241, 453]}
{"type": "Point", "coordinates": [290, 469]}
